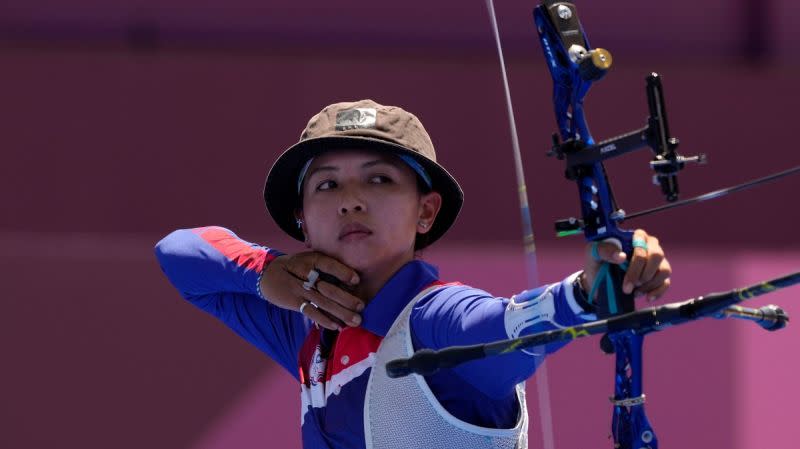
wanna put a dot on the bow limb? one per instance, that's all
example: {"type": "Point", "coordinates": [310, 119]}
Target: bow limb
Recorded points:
{"type": "Point", "coordinates": [532, 270]}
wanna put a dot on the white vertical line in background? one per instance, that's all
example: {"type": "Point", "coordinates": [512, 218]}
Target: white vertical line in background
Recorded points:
{"type": "Point", "coordinates": [542, 389]}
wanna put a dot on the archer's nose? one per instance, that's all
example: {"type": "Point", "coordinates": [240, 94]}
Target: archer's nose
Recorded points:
{"type": "Point", "coordinates": [344, 210]}
{"type": "Point", "coordinates": [351, 203]}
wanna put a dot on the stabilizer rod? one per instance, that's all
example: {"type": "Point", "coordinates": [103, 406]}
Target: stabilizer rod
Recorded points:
{"type": "Point", "coordinates": [427, 361]}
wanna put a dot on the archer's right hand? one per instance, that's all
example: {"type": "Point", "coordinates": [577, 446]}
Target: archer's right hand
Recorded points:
{"type": "Point", "coordinates": [327, 304]}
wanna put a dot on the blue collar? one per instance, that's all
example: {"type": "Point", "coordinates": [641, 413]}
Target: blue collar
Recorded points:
{"type": "Point", "coordinates": [407, 282]}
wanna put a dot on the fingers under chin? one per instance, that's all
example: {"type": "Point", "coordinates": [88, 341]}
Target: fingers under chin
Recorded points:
{"type": "Point", "coordinates": [333, 309]}
{"type": "Point", "coordinates": [340, 273]}
{"type": "Point", "coordinates": [321, 318]}
{"type": "Point", "coordinates": [341, 296]}
{"type": "Point", "coordinates": [299, 267]}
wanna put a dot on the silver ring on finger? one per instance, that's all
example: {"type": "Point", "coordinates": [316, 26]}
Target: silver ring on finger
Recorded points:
{"type": "Point", "coordinates": [306, 303]}
{"type": "Point", "coordinates": [312, 276]}
{"type": "Point", "coordinates": [303, 306]}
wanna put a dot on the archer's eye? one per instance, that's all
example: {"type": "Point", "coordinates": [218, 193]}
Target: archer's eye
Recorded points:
{"type": "Point", "coordinates": [380, 179]}
{"type": "Point", "coordinates": [326, 185]}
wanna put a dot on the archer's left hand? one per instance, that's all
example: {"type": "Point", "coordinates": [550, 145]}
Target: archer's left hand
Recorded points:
{"type": "Point", "coordinates": [648, 270]}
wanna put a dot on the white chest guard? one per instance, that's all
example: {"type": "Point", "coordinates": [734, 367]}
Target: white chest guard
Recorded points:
{"type": "Point", "coordinates": [403, 413]}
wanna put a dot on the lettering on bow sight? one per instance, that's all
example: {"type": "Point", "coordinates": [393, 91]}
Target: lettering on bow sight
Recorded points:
{"type": "Point", "coordinates": [608, 148]}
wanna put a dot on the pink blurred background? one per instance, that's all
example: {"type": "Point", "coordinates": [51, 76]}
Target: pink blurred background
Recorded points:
{"type": "Point", "coordinates": [121, 121]}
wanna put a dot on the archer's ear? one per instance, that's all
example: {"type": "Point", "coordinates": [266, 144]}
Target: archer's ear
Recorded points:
{"type": "Point", "coordinates": [429, 206]}
{"type": "Point", "coordinates": [301, 224]}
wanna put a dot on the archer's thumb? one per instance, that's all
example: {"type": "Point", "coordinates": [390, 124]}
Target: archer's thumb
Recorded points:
{"type": "Point", "coordinates": [606, 252]}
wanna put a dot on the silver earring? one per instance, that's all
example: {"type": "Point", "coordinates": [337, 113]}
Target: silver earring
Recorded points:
{"type": "Point", "coordinates": [299, 223]}
{"type": "Point", "coordinates": [423, 224]}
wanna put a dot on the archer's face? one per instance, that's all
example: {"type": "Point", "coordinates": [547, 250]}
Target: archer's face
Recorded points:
{"type": "Point", "coordinates": [364, 208]}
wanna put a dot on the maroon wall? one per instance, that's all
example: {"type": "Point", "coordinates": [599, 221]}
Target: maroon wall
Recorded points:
{"type": "Point", "coordinates": [120, 121]}
{"type": "Point", "coordinates": [101, 140]}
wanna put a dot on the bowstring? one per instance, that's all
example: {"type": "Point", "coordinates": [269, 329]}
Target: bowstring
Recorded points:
{"type": "Point", "coordinates": [542, 389]}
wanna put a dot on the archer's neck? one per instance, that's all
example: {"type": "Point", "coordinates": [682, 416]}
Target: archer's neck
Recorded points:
{"type": "Point", "coordinates": [374, 277]}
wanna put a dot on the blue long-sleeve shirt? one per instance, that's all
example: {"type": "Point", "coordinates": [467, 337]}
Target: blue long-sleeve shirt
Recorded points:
{"type": "Point", "coordinates": [219, 273]}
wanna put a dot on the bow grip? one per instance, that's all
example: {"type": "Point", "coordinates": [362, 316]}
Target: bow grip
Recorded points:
{"type": "Point", "coordinates": [624, 301]}
{"type": "Point", "coordinates": [611, 300]}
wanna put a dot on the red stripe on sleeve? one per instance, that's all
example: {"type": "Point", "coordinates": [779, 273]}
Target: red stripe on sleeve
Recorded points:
{"type": "Point", "coordinates": [235, 249]}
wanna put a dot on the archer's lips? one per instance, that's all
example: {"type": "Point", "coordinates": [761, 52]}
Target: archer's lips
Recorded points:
{"type": "Point", "coordinates": [354, 231]}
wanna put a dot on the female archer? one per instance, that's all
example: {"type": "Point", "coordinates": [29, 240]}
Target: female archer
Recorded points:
{"type": "Point", "coordinates": [363, 190]}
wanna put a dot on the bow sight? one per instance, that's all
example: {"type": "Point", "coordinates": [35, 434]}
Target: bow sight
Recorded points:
{"type": "Point", "coordinates": [574, 66]}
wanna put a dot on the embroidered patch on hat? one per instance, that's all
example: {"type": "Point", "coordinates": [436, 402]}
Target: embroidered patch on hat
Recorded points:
{"type": "Point", "coordinates": [355, 119]}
